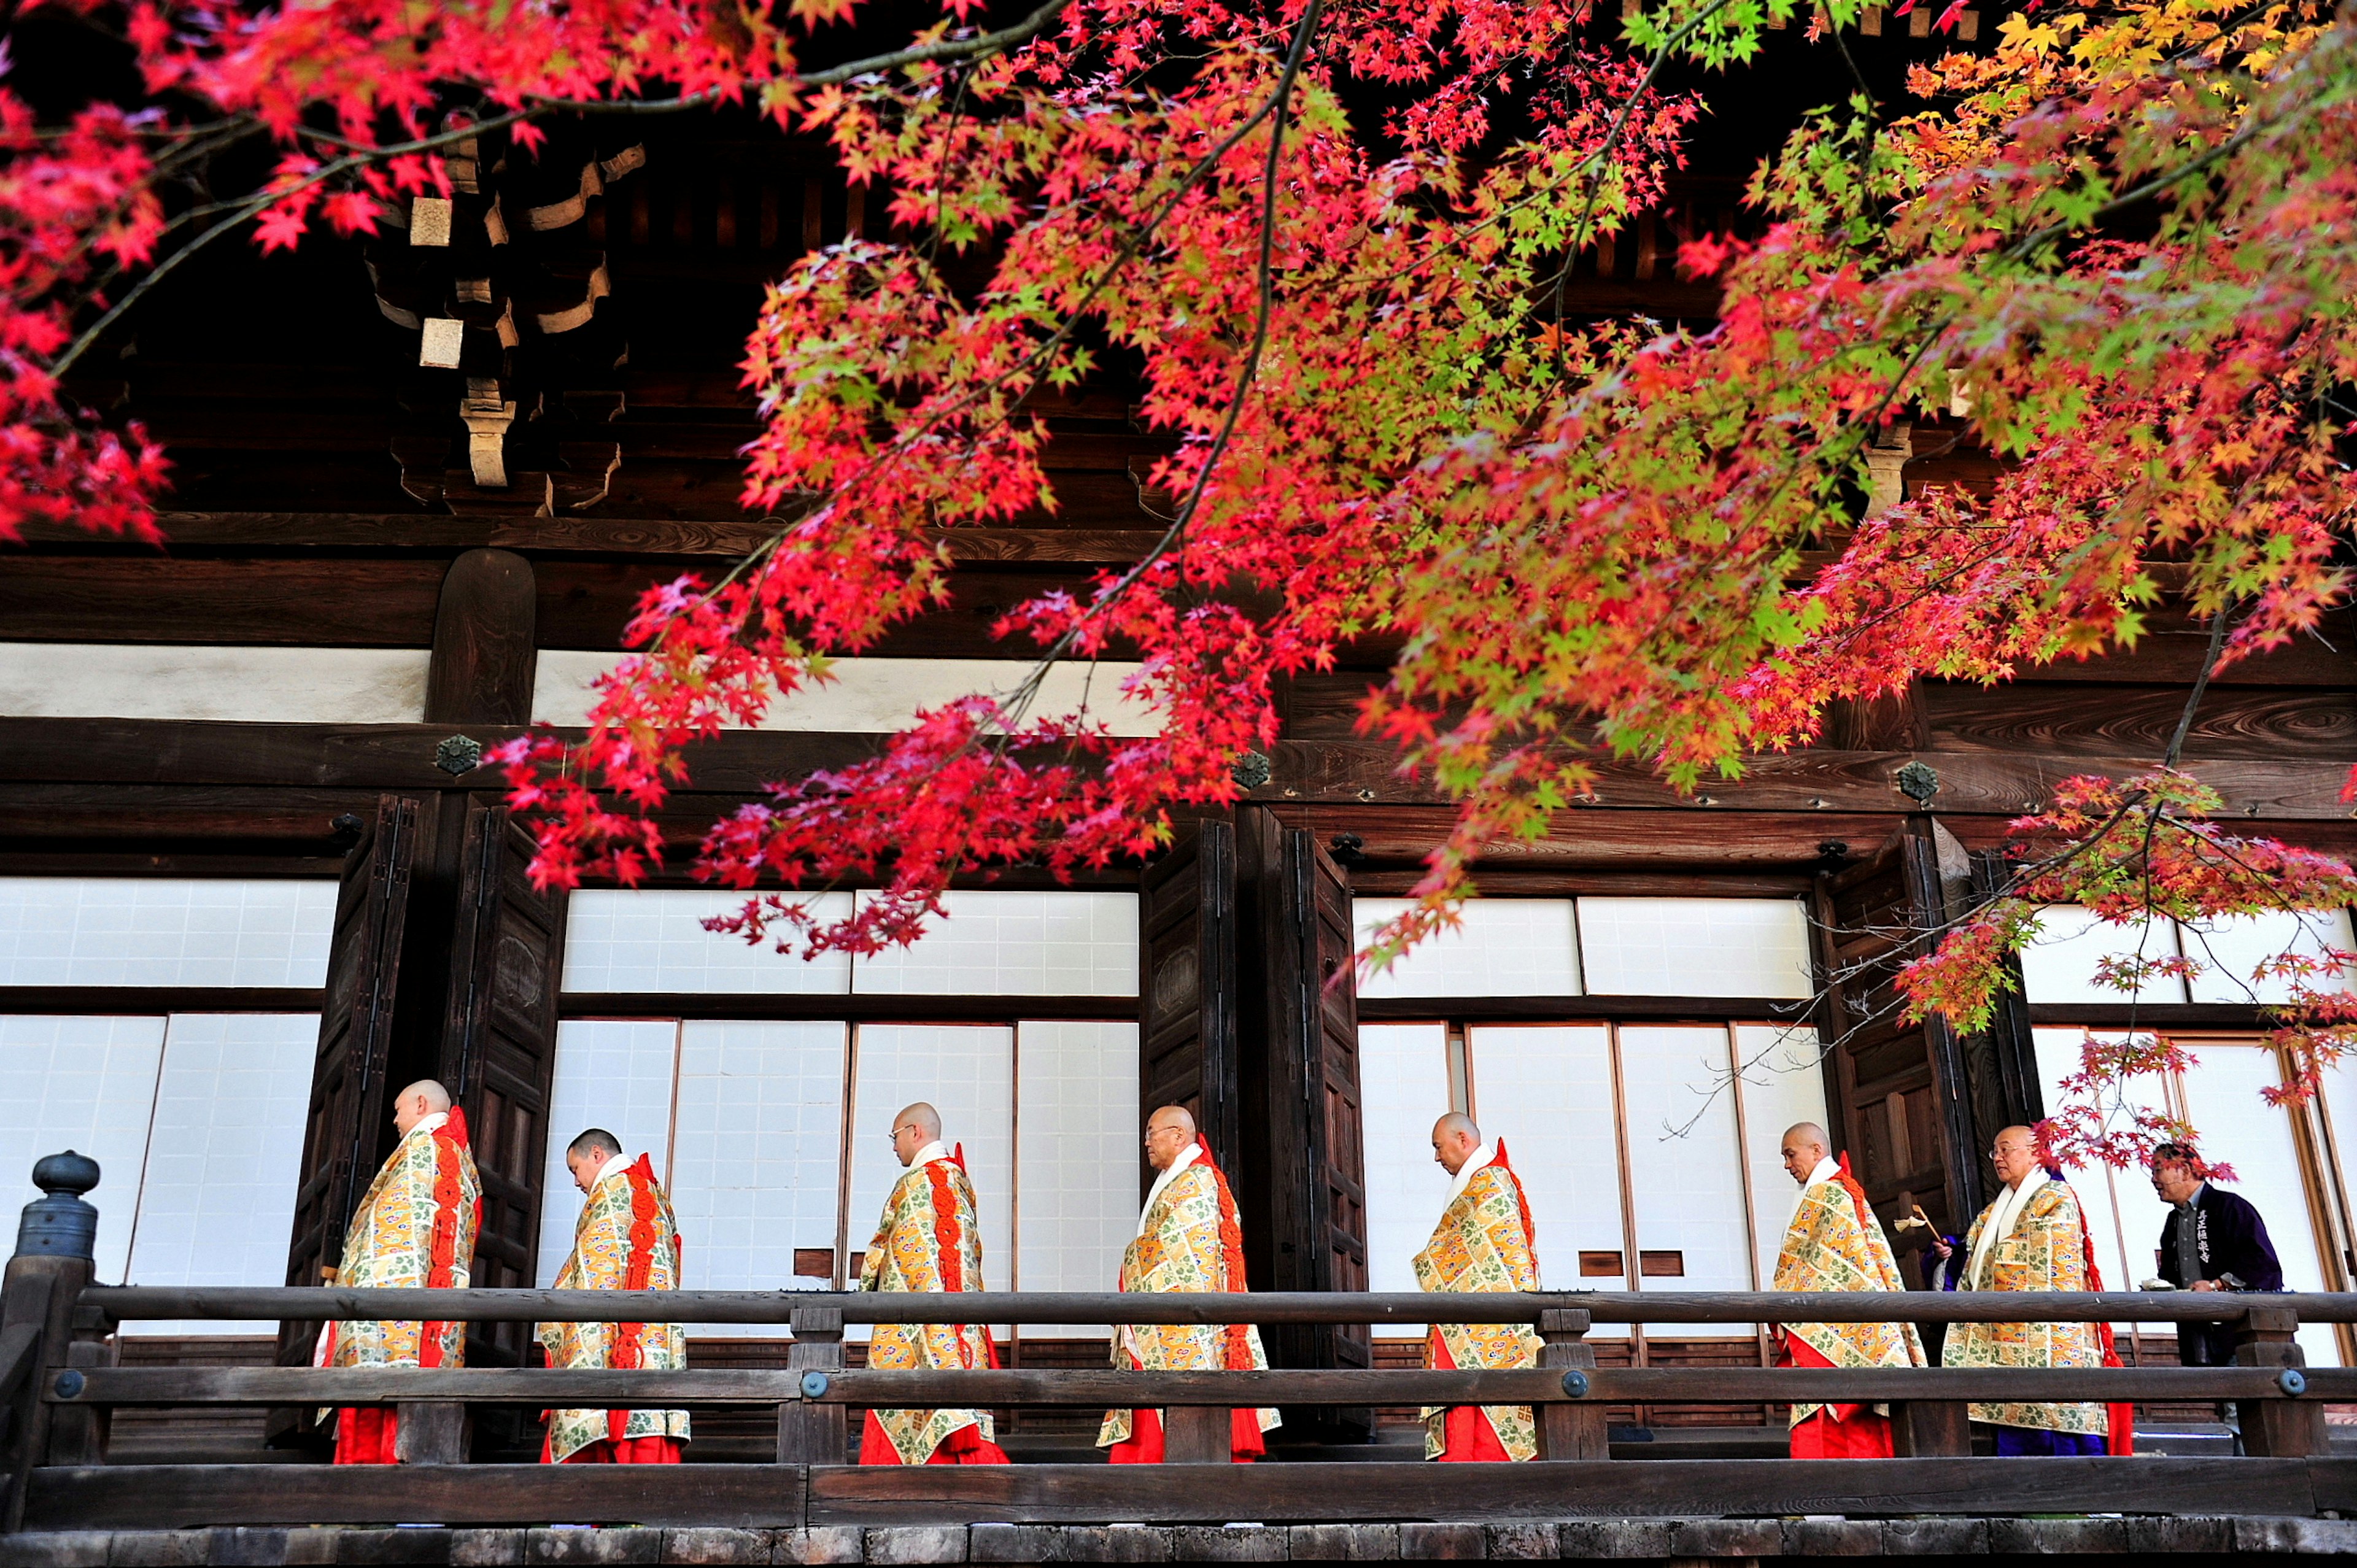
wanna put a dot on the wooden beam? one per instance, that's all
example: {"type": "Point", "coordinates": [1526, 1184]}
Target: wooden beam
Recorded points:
{"type": "Point", "coordinates": [133, 1302]}
{"type": "Point", "coordinates": [2174, 1016]}
{"type": "Point", "coordinates": [395, 532]}
{"type": "Point", "coordinates": [765, 1007]}
{"type": "Point", "coordinates": [150, 598]}
{"type": "Point", "coordinates": [150, 1001]}
{"type": "Point", "coordinates": [906, 1495]}
{"type": "Point", "coordinates": [736, 764]}
{"type": "Point", "coordinates": [139, 1497]}
{"type": "Point", "coordinates": [1094, 1387]}
{"type": "Point", "coordinates": [1565, 1009]}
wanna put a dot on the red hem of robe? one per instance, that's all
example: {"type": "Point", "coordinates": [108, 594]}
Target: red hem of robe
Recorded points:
{"type": "Point", "coordinates": [367, 1436]}
{"type": "Point", "coordinates": [1143, 1446]}
{"type": "Point", "coordinates": [1836, 1430]}
{"type": "Point", "coordinates": [967, 1445]}
{"type": "Point", "coordinates": [624, 1451]}
{"type": "Point", "coordinates": [1466, 1436]}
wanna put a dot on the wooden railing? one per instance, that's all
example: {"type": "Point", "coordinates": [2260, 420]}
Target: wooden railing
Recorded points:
{"type": "Point", "coordinates": [55, 1344]}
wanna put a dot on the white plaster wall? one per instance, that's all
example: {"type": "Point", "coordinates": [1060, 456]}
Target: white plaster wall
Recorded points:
{"type": "Point", "coordinates": [877, 696]}
{"type": "Point", "coordinates": [282, 686]}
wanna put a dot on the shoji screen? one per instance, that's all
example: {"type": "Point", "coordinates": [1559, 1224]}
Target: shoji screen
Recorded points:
{"type": "Point", "coordinates": [1547, 1092]}
{"type": "Point", "coordinates": [1685, 1166]}
{"type": "Point", "coordinates": [1404, 1090]}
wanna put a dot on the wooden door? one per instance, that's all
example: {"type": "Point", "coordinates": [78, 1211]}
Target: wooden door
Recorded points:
{"type": "Point", "coordinates": [1187, 988]}
{"type": "Point", "coordinates": [1896, 1093]}
{"type": "Point", "coordinates": [346, 1132]}
{"type": "Point", "coordinates": [1317, 1158]}
{"type": "Point", "coordinates": [499, 1052]}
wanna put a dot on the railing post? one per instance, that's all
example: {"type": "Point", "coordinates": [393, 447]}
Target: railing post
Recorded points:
{"type": "Point", "coordinates": [1575, 1430]}
{"type": "Point", "coordinates": [1930, 1429]}
{"type": "Point", "coordinates": [38, 1294]}
{"type": "Point", "coordinates": [1197, 1435]}
{"type": "Point", "coordinates": [810, 1432]}
{"type": "Point", "coordinates": [2284, 1428]}
{"type": "Point", "coordinates": [432, 1434]}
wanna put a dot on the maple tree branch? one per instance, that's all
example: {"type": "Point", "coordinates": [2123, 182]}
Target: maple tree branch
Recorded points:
{"type": "Point", "coordinates": [2201, 684]}
{"type": "Point", "coordinates": [946, 50]}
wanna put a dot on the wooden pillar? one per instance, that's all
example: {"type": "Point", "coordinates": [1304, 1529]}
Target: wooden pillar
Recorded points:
{"type": "Point", "coordinates": [483, 663]}
{"type": "Point", "coordinates": [1575, 1430]}
{"type": "Point", "coordinates": [2276, 1428]}
{"type": "Point", "coordinates": [809, 1433]}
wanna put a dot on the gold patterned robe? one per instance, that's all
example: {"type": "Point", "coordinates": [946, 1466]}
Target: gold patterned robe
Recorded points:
{"type": "Point", "coordinates": [1483, 1243]}
{"type": "Point", "coordinates": [627, 1239]}
{"type": "Point", "coordinates": [929, 1239]}
{"type": "Point", "coordinates": [2042, 1249]}
{"type": "Point", "coordinates": [1179, 1248]}
{"type": "Point", "coordinates": [1834, 1243]}
{"type": "Point", "coordinates": [414, 1228]}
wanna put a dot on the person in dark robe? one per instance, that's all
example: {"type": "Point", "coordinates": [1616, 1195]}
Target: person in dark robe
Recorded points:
{"type": "Point", "coordinates": [2211, 1240]}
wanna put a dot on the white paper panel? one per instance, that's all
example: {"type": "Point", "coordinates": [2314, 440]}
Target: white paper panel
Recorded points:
{"type": "Point", "coordinates": [2336, 1117]}
{"type": "Point", "coordinates": [1077, 1154]}
{"type": "Point", "coordinates": [130, 931]}
{"type": "Point", "coordinates": [1783, 1083]}
{"type": "Point", "coordinates": [1402, 1090]}
{"type": "Point", "coordinates": [1694, 947]}
{"type": "Point", "coordinates": [89, 1085]}
{"type": "Point", "coordinates": [1688, 1185]}
{"type": "Point", "coordinates": [653, 940]}
{"type": "Point", "coordinates": [1005, 943]}
{"type": "Point", "coordinates": [1547, 1092]}
{"type": "Point", "coordinates": [2059, 966]}
{"type": "Point", "coordinates": [877, 696]}
{"type": "Point", "coordinates": [967, 1073]}
{"type": "Point", "coordinates": [1501, 947]}
{"type": "Point", "coordinates": [2231, 948]}
{"type": "Point", "coordinates": [756, 1168]}
{"type": "Point", "coordinates": [2238, 1128]}
{"type": "Point", "coordinates": [216, 1205]}
{"type": "Point", "coordinates": [610, 1073]}
{"type": "Point", "coordinates": [2123, 1217]}
{"type": "Point", "coordinates": [267, 686]}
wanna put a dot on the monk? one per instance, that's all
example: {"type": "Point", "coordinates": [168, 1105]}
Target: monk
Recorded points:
{"type": "Point", "coordinates": [1485, 1241]}
{"type": "Point", "coordinates": [414, 1228]}
{"type": "Point", "coordinates": [627, 1239]}
{"type": "Point", "coordinates": [1835, 1242]}
{"type": "Point", "coordinates": [929, 1240]}
{"type": "Point", "coordinates": [2032, 1237]}
{"type": "Point", "coordinates": [1189, 1238]}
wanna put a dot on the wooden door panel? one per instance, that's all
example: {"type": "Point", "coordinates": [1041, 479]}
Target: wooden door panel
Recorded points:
{"type": "Point", "coordinates": [345, 1128]}
{"type": "Point", "coordinates": [499, 1051]}
{"type": "Point", "coordinates": [1186, 995]}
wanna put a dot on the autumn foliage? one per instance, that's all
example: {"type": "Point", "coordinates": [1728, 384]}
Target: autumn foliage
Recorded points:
{"type": "Point", "coordinates": [2119, 248]}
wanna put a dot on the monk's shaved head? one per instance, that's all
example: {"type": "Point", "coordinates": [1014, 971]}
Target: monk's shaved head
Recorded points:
{"type": "Point", "coordinates": [1167, 1132]}
{"type": "Point", "coordinates": [415, 1103]}
{"type": "Point", "coordinates": [1805, 1144]}
{"type": "Point", "coordinates": [922, 1117]}
{"type": "Point", "coordinates": [1454, 1139]}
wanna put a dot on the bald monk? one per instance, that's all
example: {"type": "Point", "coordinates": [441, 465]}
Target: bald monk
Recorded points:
{"type": "Point", "coordinates": [929, 1240]}
{"type": "Point", "coordinates": [1189, 1238]}
{"type": "Point", "coordinates": [414, 1228]}
{"type": "Point", "coordinates": [1485, 1241]}
{"type": "Point", "coordinates": [627, 1239]}
{"type": "Point", "coordinates": [1835, 1242]}
{"type": "Point", "coordinates": [2033, 1237]}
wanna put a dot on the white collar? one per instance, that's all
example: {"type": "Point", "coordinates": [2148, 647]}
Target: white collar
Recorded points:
{"type": "Point", "coordinates": [1999, 1224]}
{"type": "Point", "coordinates": [1464, 1177]}
{"type": "Point", "coordinates": [1170, 1174]}
{"type": "Point", "coordinates": [1827, 1169]}
{"type": "Point", "coordinates": [615, 1164]}
{"type": "Point", "coordinates": [936, 1150]}
{"type": "Point", "coordinates": [429, 1124]}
